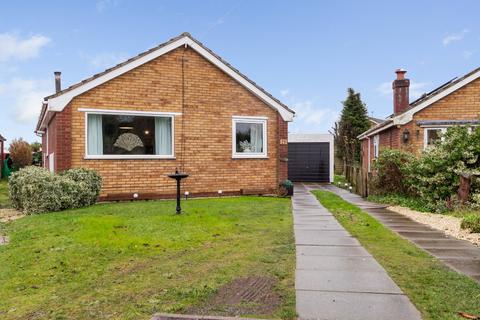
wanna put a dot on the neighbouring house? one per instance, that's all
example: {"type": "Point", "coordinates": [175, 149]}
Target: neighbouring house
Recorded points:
{"type": "Point", "coordinates": [2, 155]}
{"type": "Point", "coordinates": [178, 105]}
{"type": "Point", "coordinates": [417, 125]}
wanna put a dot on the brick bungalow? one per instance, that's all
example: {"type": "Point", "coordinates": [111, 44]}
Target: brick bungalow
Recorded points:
{"type": "Point", "coordinates": [414, 126]}
{"type": "Point", "coordinates": [178, 105]}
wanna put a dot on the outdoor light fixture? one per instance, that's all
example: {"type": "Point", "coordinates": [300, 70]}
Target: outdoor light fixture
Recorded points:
{"type": "Point", "coordinates": [350, 188]}
{"type": "Point", "coordinates": [186, 195]}
{"type": "Point", "coordinates": [220, 193]}
{"type": "Point", "coordinates": [405, 135]}
{"type": "Point", "coordinates": [135, 196]}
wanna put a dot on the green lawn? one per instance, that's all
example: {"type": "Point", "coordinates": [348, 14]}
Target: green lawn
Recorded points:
{"type": "Point", "coordinates": [4, 201]}
{"type": "Point", "coordinates": [438, 292]}
{"type": "Point", "coordinates": [130, 260]}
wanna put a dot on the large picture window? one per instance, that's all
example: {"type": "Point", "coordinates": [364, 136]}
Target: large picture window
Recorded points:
{"type": "Point", "coordinates": [249, 137]}
{"type": "Point", "coordinates": [129, 136]}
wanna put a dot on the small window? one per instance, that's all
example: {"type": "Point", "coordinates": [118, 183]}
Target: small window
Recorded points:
{"type": "Point", "coordinates": [432, 136]}
{"type": "Point", "coordinates": [376, 142]}
{"type": "Point", "coordinates": [129, 136]}
{"type": "Point", "coordinates": [249, 138]}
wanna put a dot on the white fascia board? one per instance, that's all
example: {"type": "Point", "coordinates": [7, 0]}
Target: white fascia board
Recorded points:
{"type": "Point", "coordinates": [408, 116]}
{"type": "Point", "coordinates": [286, 114]}
{"type": "Point", "coordinates": [363, 135]}
{"type": "Point", "coordinates": [59, 103]}
{"type": "Point", "coordinates": [129, 112]}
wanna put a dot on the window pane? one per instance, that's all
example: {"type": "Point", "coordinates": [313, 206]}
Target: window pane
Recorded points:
{"type": "Point", "coordinates": [249, 137]}
{"type": "Point", "coordinates": [433, 135]}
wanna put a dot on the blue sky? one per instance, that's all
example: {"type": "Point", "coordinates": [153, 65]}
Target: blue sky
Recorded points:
{"type": "Point", "coordinates": [306, 53]}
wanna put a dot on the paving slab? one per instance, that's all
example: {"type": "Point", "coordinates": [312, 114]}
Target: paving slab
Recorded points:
{"type": "Point", "coordinates": [338, 251]}
{"type": "Point", "coordinates": [354, 306]}
{"type": "Point", "coordinates": [460, 255]}
{"type": "Point", "coordinates": [335, 274]}
{"type": "Point", "coordinates": [338, 263]}
{"type": "Point", "coordinates": [341, 280]}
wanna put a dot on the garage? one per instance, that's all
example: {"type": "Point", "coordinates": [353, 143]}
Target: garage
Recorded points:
{"type": "Point", "coordinates": [310, 157]}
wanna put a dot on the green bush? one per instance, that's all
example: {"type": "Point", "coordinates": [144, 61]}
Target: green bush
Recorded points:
{"type": "Point", "coordinates": [435, 176]}
{"type": "Point", "coordinates": [471, 221]}
{"type": "Point", "coordinates": [36, 190]}
{"type": "Point", "coordinates": [392, 172]}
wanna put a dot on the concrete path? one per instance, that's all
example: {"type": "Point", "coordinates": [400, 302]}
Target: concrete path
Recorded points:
{"type": "Point", "coordinates": [336, 278]}
{"type": "Point", "coordinates": [460, 255]}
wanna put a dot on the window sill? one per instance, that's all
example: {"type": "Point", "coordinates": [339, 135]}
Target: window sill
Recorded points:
{"type": "Point", "coordinates": [250, 157]}
{"type": "Point", "coordinates": [129, 157]}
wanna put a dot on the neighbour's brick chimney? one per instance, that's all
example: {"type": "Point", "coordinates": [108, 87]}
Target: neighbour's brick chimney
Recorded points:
{"type": "Point", "coordinates": [58, 81]}
{"type": "Point", "coordinates": [400, 92]}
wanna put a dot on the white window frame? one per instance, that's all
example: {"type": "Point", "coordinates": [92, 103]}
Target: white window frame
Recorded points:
{"type": "Point", "coordinates": [249, 155]}
{"type": "Point", "coordinates": [129, 113]}
{"type": "Point", "coordinates": [425, 134]}
{"type": "Point", "coordinates": [376, 146]}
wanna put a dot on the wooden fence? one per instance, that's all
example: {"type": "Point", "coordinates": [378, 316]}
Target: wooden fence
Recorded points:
{"type": "Point", "coordinates": [358, 179]}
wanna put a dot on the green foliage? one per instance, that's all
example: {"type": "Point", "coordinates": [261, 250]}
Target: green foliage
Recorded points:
{"type": "Point", "coordinates": [353, 121]}
{"type": "Point", "coordinates": [437, 291]}
{"type": "Point", "coordinates": [37, 153]}
{"type": "Point", "coordinates": [21, 153]}
{"type": "Point", "coordinates": [435, 176]}
{"type": "Point", "coordinates": [36, 190]}
{"type": "Point", "coordinates": [392, 172]}
{"type": "Point", "coordinates": [471, 221]}
{"type": "Point", "coordinates": [4, 200]}
{"type": "Point", "coordinates": [130, 260]}
{"type": "Point", "coordinates": [287, 184]}
{"type": "Point", "coordinates": [412, 202]}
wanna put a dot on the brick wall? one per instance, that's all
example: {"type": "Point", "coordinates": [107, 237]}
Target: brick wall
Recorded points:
{"type": "Point", "coordinates": [211, 99]}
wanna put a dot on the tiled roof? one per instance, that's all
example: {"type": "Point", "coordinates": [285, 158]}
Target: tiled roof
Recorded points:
{"type": "Point", "coordinates": [185, 34]}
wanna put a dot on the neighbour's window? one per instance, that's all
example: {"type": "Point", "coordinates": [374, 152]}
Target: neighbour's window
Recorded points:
{"type": "Point", "coordinates": [128, 135]}
{"type": "Point", "coordinates": [432, 136]}
{"type": "Point", "coordinates": [249, 138]}
{"type": "Point", "coordinates": [376, 142]}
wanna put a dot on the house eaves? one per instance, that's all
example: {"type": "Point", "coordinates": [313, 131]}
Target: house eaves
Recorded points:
{"type": "Point", "coordinates": [58, 101]}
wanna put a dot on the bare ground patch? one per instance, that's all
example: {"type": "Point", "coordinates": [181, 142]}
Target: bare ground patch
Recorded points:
{"type": "Point", "coordinates": [242, 296]}
{"type": "Point", "coordinates": [7, 215]}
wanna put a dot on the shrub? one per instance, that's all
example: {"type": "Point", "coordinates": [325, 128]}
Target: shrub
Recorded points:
{"type": "Point", "coordinates": [392, 172]}
{"type": "Point", "coordinates": [435, 176]}
{"type": "Point", "coordinates": [36, 190]}
{"type": "Point", "coordinates": [21, 153]}
{"type": "Point", "coordinates": [471, 221]}
{"type": "Point", "coordinates": [89, 184]}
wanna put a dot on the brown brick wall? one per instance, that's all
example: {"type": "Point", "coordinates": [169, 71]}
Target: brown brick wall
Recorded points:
{"type": "Point", "coordinates": [211, 99]}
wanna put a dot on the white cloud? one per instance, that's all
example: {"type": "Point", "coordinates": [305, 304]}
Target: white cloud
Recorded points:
{"type": "Point", "coordinates": [467, 54]}
{"type": "Point", "coordinates": [452, 37]}
{"type": "Point", "coordinates": [14, 48]}
{"type": "Point", "coordinates": [106, 59]}
{"type": "Point", "coordinates": [416, 89]}
{"type": "Point", "coordinates": [24, 96]}
{"type": "Point", "coordinates": [285, 92]}
{"type": "Point", "coordinates": [103, 5]}
{"type": "Point", "coordinates": [309, 113]}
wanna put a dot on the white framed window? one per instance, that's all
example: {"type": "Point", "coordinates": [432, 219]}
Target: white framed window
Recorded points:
{"type": "Point", "coordinates": [249, 137]}
{"type": "Point", "coordinates": [376, 145]}
{"type": "Point", "coordinates": [128, 135]}
{"type": "Point", "coordinates": [432, 135]}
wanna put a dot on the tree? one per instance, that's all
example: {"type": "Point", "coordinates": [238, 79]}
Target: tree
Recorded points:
{"type": "Point", "coordinates": [353, 121]}
{"type": "Point", "coordinates": [21, 153]}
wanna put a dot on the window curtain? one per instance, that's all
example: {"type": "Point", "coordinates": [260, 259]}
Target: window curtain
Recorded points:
{"type": "Point", "coordinates": [95, 134]}
{"type": "Point", "coordinates": [163, 136]}
{"type": "Point", "coordinates": [256, 133]}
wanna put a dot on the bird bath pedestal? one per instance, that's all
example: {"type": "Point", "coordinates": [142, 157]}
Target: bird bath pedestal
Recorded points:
{"type": "Point", "coordinates": [178, 176]}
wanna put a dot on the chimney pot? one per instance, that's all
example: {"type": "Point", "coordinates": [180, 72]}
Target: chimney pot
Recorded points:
{"type": "Point", "coordinates": [400, 87]}
{"type": "Point", "coordinates": [58, 81]}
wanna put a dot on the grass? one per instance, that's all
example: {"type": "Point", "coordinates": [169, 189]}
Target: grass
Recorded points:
{"type": "Point", "coordinates": [438, 292]}
{"type": "Point", "coordinates": [130, 260]}
{"type": "Point", "coordinates": [4, 200]}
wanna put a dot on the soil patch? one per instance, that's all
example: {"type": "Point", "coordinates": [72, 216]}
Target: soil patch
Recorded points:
{"type": "Point", "coordinates": [252, 295]}
{"type": "Point", "coordinates": [7, 215]}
